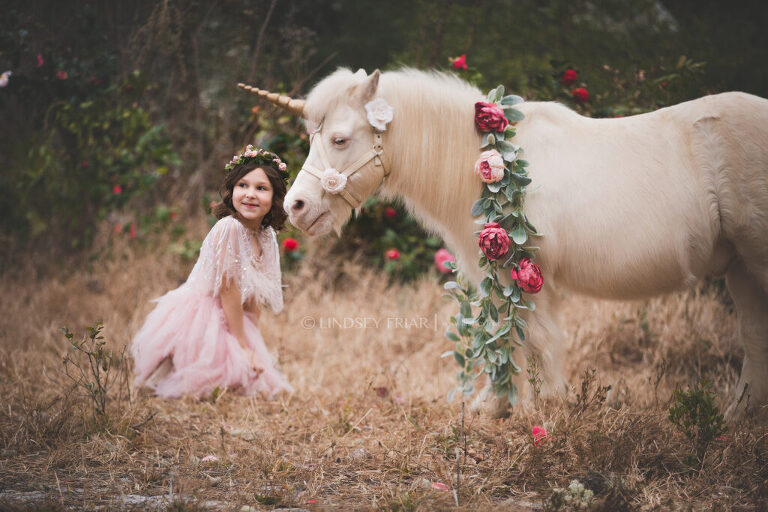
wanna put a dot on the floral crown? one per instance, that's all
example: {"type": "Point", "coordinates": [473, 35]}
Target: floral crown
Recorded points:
{"type": "Point", "coordinates": [259, 156]}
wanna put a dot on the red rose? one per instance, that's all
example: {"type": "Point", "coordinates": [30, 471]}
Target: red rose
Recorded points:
{"type": "Point", "coordinates": [290, 244]}
{"type": "Point", "coordinates": [390, 212]}
{"type": "Point", "coordinates": [392, 254]}
{"type": "Point", "coordinates": [528, 276]}
{"type": "Point", "coordinates": [569, 77]}
{"type": "Point", "coordinates": [489, 117]}
{"type": "Point", "coordinates": [459, 62]}
{"type": "Point", "coordinates": [580, 95]}
{"type": "Point", "coordinates": [441, 256]}
{"type": "Point", "coordinates": [493, 241]}
{"type": "Point", "coordinates": [117, 190]}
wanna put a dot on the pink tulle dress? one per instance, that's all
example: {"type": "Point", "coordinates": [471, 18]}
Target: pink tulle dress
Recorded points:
{"type": "Point", "coordinates": [185, 346]}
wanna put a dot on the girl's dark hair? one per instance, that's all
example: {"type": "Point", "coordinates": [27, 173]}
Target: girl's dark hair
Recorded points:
{"type": "Point", "coordinates": [276, 216]}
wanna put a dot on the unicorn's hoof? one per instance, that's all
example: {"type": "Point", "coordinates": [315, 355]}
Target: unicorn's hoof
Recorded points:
{"type": "Point", "coordinates": [488, 404]}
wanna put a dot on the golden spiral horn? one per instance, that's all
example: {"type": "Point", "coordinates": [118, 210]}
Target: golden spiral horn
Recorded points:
{"type": "Point", "coordinates": [291, 105]}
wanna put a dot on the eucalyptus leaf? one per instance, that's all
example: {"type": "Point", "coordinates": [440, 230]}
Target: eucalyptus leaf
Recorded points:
{"type": "Point", "coordinates": [509, 290]}
{"type": "Point", "coordinates": [466, 310]}
{"type": "Point", "coordinates": [522, 163]}
{"type": "Point", "coordinates": [512, 99]}
{"type": "Point", "coordinates": [531, 227]}
{"type": "Point", "coordinates": [513, 395]}
{"type": "Point", "coordinates": [485, 286]}
{"type": "Point", "coordinates": [494, 187]}
{"type": "Point", "coordinates": [509, 220]}
{"type": "Point", "coordinates": [494, 313]}
{"type": "Point", "coordinates": [477, 207]}
{"type": "Point", "coordinates": [519, 236]}
{"type": "Point", "coordinates": [446, 354]}
{"type": "Point", "coordinates": [459, 358]}
{"type": "Point", "coordinates": [450, 285]}
{"type": "Point", "coordinates": [521, 180]}
{"type": "Point", "coordinates": [452, 336]}
{"type": "Point", "coordinates": [513, 115]}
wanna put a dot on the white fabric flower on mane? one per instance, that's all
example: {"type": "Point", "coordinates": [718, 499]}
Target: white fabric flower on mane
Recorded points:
{"type": "Point", "coordinates": [379, 113]}
{"type": "Point", "coordinates": [333, 181]}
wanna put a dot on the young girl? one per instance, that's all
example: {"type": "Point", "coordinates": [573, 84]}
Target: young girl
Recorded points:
{"type": "Point", "coordinates": [205, 334]}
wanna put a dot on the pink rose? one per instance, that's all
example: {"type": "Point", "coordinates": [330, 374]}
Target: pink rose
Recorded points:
{"type": "Point", "coordinates": [290, 244]}
{"type": "Point", "coordinates": [580, 95]}
{"type": "Point", "coordinates": [528, 276]}
{"type": "Point", "coordinates": [393, 254]}
{"type": "Point", "coordinates": [569, 77]}
{"type": "Point", "coordinates": [490, 166]}
{"type": "Point", "coordinates": [539, 434]}
{"type": "Point", "coordinates": [117, 190]}
{"type": "Point", "coordinates": [489, 117]}
{"type": "Point", "coordinates": [40, 60]}
{"type": "Point", "coordinates": [459, 62]}
{"type": "Point", "coordinates": [390, 212]}
{"type": "Point", "coordinates": [493, 241]}
{"type": "Point", "coordinates": [441, 256]}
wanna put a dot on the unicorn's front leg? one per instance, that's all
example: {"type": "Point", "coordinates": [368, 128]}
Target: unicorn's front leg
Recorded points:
{"type": "Point", "coordinates": [545, 343]}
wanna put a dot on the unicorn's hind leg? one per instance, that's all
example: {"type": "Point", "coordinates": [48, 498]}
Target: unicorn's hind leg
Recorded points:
{"type": "Point", "coordinates": [751, 299]}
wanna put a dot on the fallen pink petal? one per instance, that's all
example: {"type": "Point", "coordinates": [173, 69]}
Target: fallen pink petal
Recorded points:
{"type": "Point", "coordinates": [209, 458]}
{"type": "Point", "coordinates": [440, 486]}
{"type": "Point", "coordinates": [539, 434]}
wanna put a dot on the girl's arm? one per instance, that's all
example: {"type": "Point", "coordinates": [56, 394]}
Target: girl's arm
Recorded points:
{"type": "Point", "coordinates": [233, 311]}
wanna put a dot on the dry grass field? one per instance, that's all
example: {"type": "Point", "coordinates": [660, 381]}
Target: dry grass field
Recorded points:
{"type": "Point", "coordinates": [369, 426]}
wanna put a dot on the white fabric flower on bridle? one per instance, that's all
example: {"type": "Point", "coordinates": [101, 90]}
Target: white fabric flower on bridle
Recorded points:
{"type": "Point", "coordinates": [379, 113]}
{"type": "Point", "coordinates": [333, 181]}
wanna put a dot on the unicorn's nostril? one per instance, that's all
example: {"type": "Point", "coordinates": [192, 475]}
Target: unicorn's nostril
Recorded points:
{"type": "Point", "coordinates": [297, 205]}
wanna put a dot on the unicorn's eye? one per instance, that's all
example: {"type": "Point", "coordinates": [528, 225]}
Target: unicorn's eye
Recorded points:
{"type": "Point", "coordinates": [339, 141]}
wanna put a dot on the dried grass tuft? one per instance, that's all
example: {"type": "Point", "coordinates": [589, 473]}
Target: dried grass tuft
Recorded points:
{"type": "Point", "coordinates": [369, 426]}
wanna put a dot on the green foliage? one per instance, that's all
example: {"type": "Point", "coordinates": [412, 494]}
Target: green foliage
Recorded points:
{"type": "Point", "coordinates": [380, 227]}
{"type": "Point", "coordinates": [486, 336]}
{"type": "Point", "coordinates": [575, 497]}
{"type": "Point", "coordinates": [93, 368]}
{"type": "Point", "coordinates": [696, 413]}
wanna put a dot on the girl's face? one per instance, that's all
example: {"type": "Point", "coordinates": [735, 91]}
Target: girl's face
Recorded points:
{"type": "Point", "coordinates": [252, 197]}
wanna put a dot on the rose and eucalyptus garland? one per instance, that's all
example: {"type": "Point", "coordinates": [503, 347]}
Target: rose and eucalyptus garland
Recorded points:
{"type": "Point", "coordinates": [489, 325]}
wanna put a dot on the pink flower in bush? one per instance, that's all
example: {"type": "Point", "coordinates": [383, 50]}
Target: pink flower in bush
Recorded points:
{"type": "Point", "coordinates": [132, 231]}
{"type": "Point", "coordinates": [118, 228]}
{"type": "Point", "coordinates": [569, 77]}
{"type": "Point", "coordinates": [62, 75]}
{"type": "Point", "coordinates": [392, 254]}
{"type": "Point", "coordinates": [117, 190]}
{"type": "Point", "coordinates": [290, 244]}
{"type": "Point", "coordinates": [489, 117]}
{"type": "Point", "coordinates": [490, 166]}
{"type": "Point", "coordinates": [459, 62]}
{"type": "Point", "coordinates": [580, 95]}
{"type": "Point", "coordinates": [40, 60]}
{"type": "Point", "coordinates": [390, 212]}
{"type": "Point", "coordinates": [528, 276]}
{"type": "Point", "coordinates": [493, 241]}
{"type": "Point", "coordinates": [539, 434]}
{"type": "Point", "coordinates": [441, 256]}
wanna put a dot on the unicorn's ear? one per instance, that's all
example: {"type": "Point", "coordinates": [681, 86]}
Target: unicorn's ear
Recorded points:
{"type": "Point", "coordinates": [366, 90]}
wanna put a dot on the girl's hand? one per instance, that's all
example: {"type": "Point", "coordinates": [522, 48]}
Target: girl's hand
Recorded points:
{"type": "Point", "coordinates": [253, 361]}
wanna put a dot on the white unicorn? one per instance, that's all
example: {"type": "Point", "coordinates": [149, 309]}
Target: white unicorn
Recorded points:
{"type": "Point", "coordinates": [628, 208]}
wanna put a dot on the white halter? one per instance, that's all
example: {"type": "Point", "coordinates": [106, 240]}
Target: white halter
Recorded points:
{"type": "Point", "coordinates": [372, 154]}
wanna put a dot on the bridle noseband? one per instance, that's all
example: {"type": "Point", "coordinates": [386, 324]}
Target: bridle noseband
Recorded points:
{"type": "Point", "coordinates": [372, 154]}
